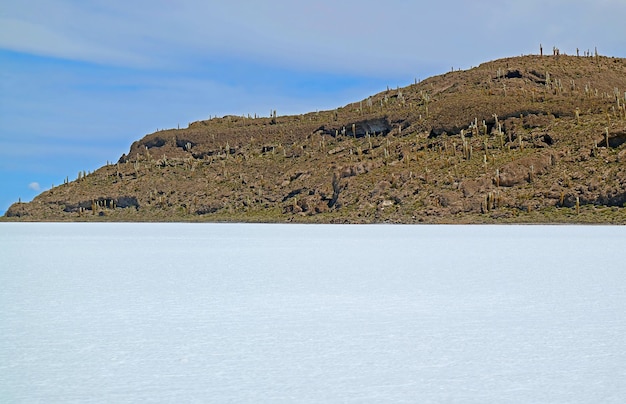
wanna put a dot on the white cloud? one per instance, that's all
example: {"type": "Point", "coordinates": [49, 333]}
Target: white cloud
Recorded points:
{"type": "Point", "coordinates": [34, 186]}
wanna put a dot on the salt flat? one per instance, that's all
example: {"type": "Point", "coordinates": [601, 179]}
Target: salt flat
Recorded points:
{"type": "Point", "coordinates": [311, 313]}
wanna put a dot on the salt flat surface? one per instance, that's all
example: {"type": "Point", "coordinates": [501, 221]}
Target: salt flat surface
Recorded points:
{"type": "Point", "coordinates": [101, 313]}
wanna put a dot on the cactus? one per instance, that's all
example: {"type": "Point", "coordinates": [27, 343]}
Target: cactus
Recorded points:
{"type": "Point", "coordinates": [501, 134]}
{"type": "Point", "coordinates": [467, 148]}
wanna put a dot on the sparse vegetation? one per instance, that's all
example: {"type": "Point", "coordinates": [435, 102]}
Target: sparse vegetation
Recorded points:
{"type": "Point", "coordinates": [505, 142]}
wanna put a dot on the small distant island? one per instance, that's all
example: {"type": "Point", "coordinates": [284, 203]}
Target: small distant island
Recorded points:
{"type": "Point", "coordinates": [530, 139]}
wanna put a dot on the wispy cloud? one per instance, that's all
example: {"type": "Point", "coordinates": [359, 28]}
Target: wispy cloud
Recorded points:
{"type": "Point", "coordinates": [41, 39]}
{"type": "Point", "coordinates": [359, 37]}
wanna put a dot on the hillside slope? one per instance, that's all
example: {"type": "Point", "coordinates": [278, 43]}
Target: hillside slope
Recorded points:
{"type": "Point", "coordinates": [526, 139]}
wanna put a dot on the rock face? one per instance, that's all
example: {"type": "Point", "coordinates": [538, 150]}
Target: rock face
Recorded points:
{"type": "Point", "coordinates": [523, 170]}
{"type": "Point", "coordinates": [528, 139]}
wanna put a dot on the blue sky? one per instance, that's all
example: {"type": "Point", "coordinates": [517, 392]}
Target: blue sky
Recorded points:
{"type": "Point", "coordinates": [80, 81]}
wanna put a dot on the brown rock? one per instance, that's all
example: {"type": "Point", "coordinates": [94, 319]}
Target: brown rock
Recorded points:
{"type": "Point", "coordinates": [471, 187]}
{"type": "Point", "coordinates": [523, 170]}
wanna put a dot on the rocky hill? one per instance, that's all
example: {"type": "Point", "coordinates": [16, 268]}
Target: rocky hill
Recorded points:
{"type": "Point", "coordinates": [532, 139]}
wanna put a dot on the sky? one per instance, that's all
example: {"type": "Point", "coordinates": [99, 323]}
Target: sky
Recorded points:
{"type": "Point", "coordinates": [81, 80]}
